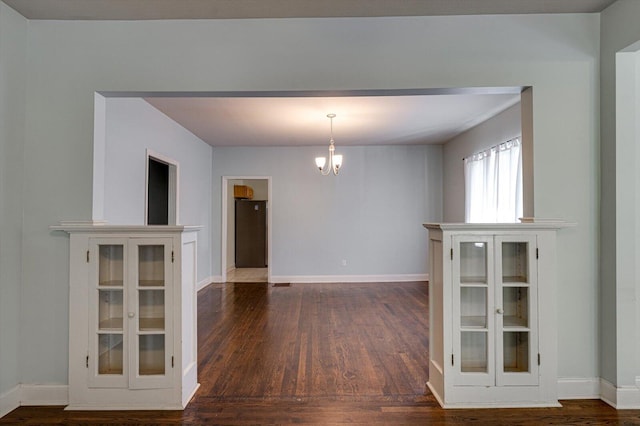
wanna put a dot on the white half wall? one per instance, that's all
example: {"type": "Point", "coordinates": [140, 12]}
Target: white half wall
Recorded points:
{"type": "Point", "coordinates": [132, 127]}
{"type": "Point", "coordinates": [501, 128]}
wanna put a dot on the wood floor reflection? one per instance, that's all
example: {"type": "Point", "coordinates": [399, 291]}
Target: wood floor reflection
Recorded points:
{"type": "Point", "coordinates": [318, 354]}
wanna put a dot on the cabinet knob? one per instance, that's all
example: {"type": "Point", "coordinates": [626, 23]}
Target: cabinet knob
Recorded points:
{"type": "Point", "coordinates": [499, 311]}
{"type": "Point", "coordinates": [132, 314]}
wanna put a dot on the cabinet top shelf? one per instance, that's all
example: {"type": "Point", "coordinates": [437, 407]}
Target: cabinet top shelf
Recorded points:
{"type": "Point", "coordinates": [538, 224]}
{"type": "Point", "coordinates": [95, 227]}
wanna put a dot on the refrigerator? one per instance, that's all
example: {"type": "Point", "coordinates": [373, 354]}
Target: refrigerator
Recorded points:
{"type": "Point", "coordinates": [251, 234]}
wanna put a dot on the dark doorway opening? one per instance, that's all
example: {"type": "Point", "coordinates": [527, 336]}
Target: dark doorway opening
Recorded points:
{"type": "Point", "coordinates": [158, 193]}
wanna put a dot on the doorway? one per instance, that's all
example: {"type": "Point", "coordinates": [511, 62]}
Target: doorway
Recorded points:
{"type": "Point", "coordinates": [161, 198]}
{"type": "Point", "coordinates": [246, 229]}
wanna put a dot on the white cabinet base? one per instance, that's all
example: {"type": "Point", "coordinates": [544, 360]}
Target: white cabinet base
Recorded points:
{"type": "Point", "coordinates": [492, 315]}
{"type": "Point", "coordinates": [136, 285]}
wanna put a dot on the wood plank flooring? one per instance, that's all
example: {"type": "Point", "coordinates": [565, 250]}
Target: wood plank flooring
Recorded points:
{"type": "Point", "coordinates": [247, 275]}
{"type": "Point", "coordinates": [313, 340]}
{"type": "Point", "coordinates": [318, 354]}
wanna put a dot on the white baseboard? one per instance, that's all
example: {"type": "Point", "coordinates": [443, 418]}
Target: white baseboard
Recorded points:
{"type": "Point", "coordinates": [348, 278]}
{"type": "Point", "coordinates": [44, 395]}
{"type": "Point", "coordinates": [23, 395]}
{"type": "Point", "coordinates": [202, 284]}
{"type": "Point", "coordinates": [9, 401]}
{"type": "Point", "coordinates": [579, 388]}
{"type": "Point", "coordinates": [621, 398]}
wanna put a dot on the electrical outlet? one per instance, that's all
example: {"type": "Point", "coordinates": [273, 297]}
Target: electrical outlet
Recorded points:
{"type": "Point", "coordinates": [344, 262]}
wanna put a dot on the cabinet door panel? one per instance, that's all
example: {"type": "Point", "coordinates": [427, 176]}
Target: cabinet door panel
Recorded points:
{"type": "Point", "coordinates": [473, 323]}
{"type": "Point", "coordinates": [107, 351]}
{"type": "Point", "coordinates": [150, 315]}
{"type": "Point", "coordinates": [516, 301]}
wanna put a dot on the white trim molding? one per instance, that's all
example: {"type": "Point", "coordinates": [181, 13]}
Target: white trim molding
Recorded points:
{"type": "Point", "coordinates": [211, 279]}
{"type": "Point", "coordinates": [348, 278]}
{"type": "Point", "coordinates": [44, 395]}
{"type": "Point", "coordinates": [579, 388]}
{"type": "Point", "coordinates": [9, 401]}
{"type": "Point", "coordinates": [26, 395]}
{"type": "Point", "coordinates": [620, 398]}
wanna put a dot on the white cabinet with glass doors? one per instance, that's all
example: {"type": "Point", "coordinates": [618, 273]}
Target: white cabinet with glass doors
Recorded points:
{"type": "Point", "coordinates": [492, 310]}
{"type": "Point", "coordinates": [132, 317]}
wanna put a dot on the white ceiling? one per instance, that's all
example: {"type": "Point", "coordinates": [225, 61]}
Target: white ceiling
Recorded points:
{"type": "Point", "coordinates": [360, 120]}
{"type": "Point", "coordinates": [221, 9]}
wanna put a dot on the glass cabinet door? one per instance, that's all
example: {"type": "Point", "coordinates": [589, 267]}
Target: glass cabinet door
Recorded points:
{"type": "Point", "coordinates": [152, 294]}
{"type": "Point", "coordinates": [472, 260]}
{"type": "Point", "coordinates": [516, 305]}
{"type": "Point", "coordinates": [107, 357]}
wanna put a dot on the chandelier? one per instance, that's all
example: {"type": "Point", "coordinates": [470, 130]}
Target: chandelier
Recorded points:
{"type": "Point", "coordinates": [335, 160]}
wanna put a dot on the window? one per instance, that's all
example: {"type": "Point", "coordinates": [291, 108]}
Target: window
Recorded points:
{"type": "Point", "coordinates": [493, 184]}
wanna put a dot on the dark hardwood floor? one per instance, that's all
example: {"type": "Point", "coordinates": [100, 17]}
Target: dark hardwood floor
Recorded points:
{"type": "Point", "coordinates": [318, 354]}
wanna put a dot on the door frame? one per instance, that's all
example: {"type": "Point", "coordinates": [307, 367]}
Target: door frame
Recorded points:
{"type": "Point", "coordinates": [224, 233]}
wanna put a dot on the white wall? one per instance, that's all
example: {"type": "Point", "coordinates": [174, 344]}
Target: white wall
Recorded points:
{"type": "Point", "coordinates": [132, 127]}
{"type": "Point", "coordinates": [69, 61]}
{"type": "Point", "coordinates": [260, 188]}
{"type": "Point", "coordinates": [370, 215]}
{"type": "Point", "coordinates": [501, 128]}
{"type": "Point", "coordinates": [13, 43]}
{"type": "Point", "coordinates": [619, 323]}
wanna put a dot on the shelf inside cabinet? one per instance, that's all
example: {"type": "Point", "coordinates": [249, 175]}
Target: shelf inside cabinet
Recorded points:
{"type": "Point", "coordinates": [472, 369]}
{"type": "Point", "coordinates": [151, 283]}
{"type": "Point", "coordinates": [515, 261]}
{"type": "Point", "coordinates": [151, 265]}
{"type": "Point", "coordinates": [152, 371]}
{"type": "Point", "coordinates": [473, 262]}
{"type": "Point", "coordinates": [516, 352]}
{"type": "Point", "coordinates": [151, 324]}
{"type": "Point", "coordinates": [110, 354]}
{"type": "Point", "coordinates": [151, 355]}
{"type": "Point", "coordinates": [474, 351]}
{"type": "Point", "coordinates": [475, 322]}
{"type": "Point", "coordinates": [475, 280]}
{"type": "Point", "coordinates": [516, 279]}
{"type": "Point", "coordinates": [512, 321]}
{"type": "Point", "coordinates": [110, 309]}
{"type": "Point", "coordinates": [110, 283]}
{"type": "Point", "coordinates": [111, 324]}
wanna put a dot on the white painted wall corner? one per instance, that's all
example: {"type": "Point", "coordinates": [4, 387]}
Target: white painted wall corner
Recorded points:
{"type": "Point", "coordinates": [9, 401]}
{"type": "Point", "coordinates": [621, 398]}
{"type": "Point", "coordinates": [212, 279]}
{"type": "Point", "coordinates": [25, 395]}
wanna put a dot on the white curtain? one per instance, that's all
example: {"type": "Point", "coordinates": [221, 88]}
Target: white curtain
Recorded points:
{"type": "Point", "coordinates": [493, 184]}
